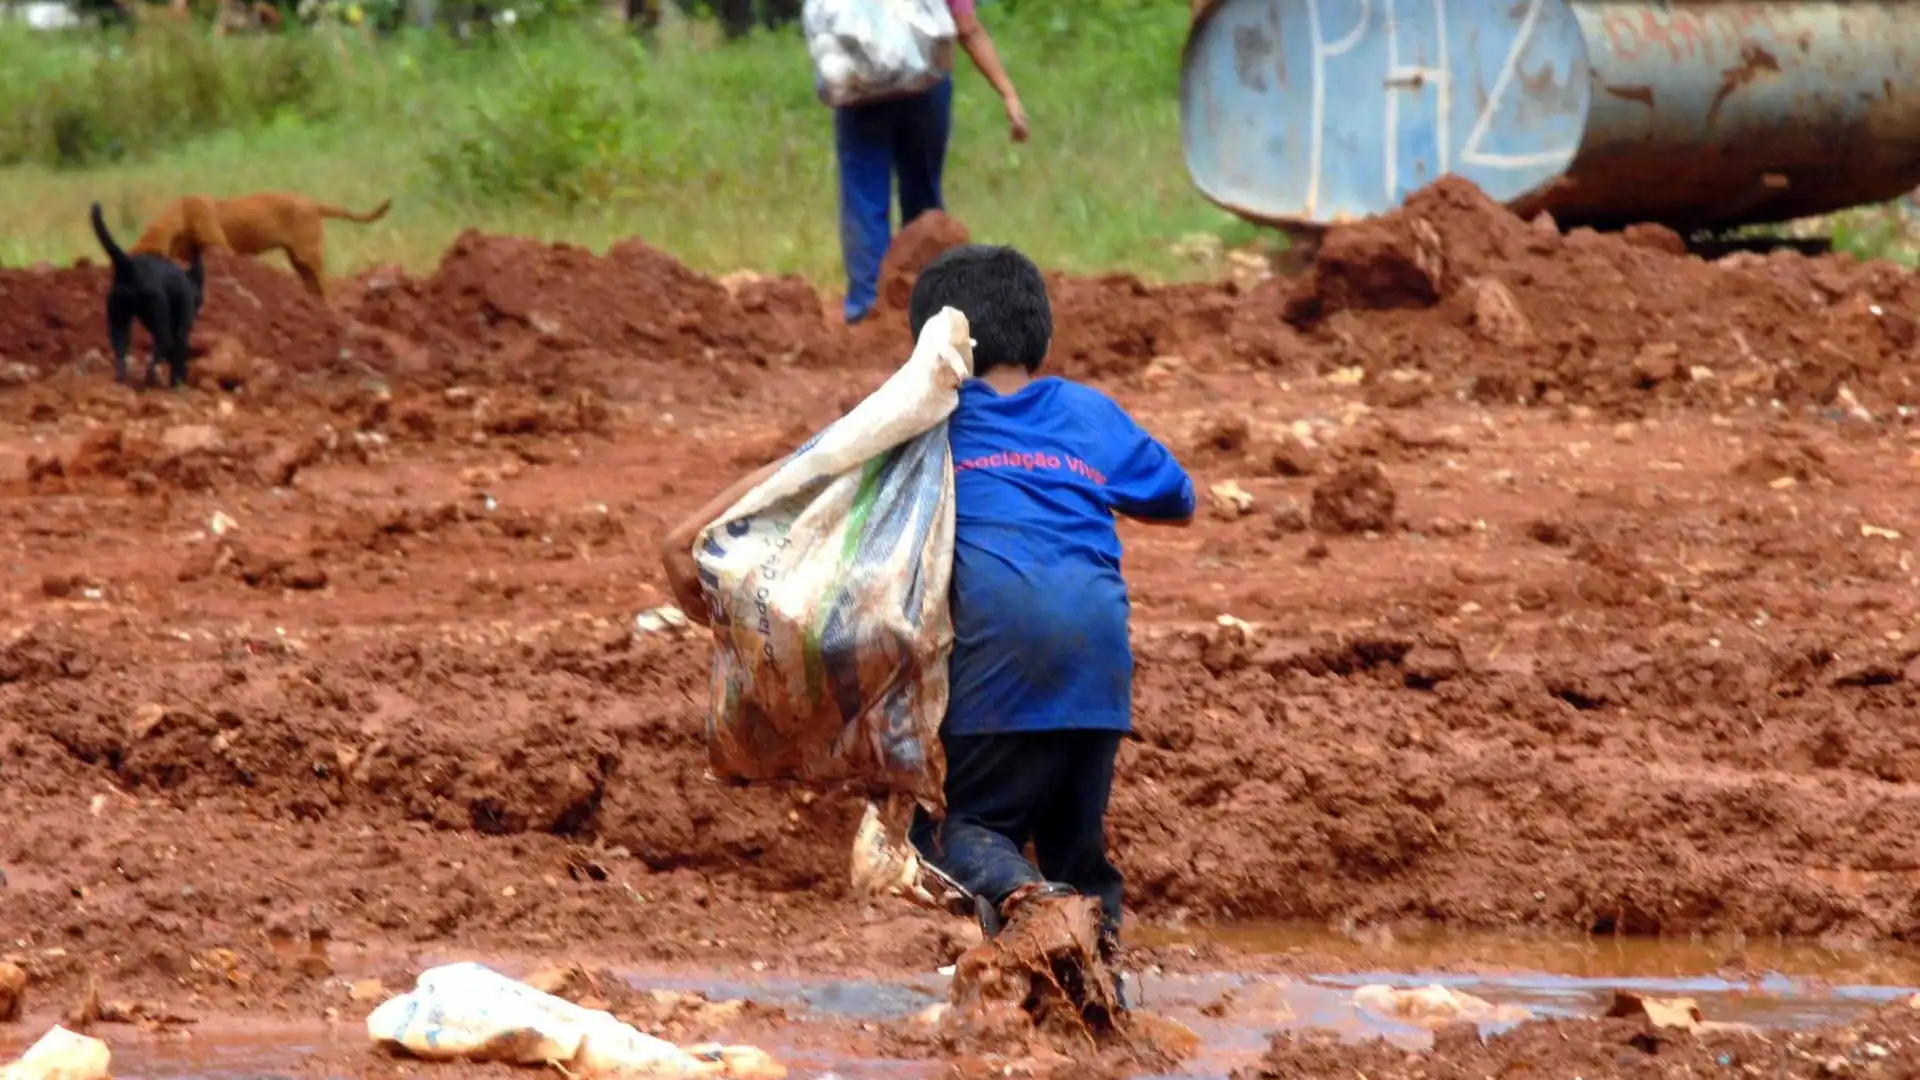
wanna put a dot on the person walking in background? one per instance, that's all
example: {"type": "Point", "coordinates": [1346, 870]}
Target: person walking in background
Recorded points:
{"type": "Point", "coordinates": [905, 136]}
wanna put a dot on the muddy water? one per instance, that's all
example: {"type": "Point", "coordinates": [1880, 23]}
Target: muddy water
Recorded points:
{"type": "Point", "coordinates": [1427, 948]}
{"type": "Point", "coordinates": [1768, 984]}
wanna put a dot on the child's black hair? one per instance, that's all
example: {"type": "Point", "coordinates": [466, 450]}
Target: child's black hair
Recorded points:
{"type": "Point", "coordinates": [1003, 296]}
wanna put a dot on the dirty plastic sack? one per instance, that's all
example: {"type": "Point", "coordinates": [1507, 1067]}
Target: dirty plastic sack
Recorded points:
{"type": "Point", "coordinates": [870, 50]}
{"type": "Point", "coordinates": [61, 1055]}
{"type": "Point", "coordinates": [886, 864]}
{"type": "Point", "coordinates": [470, 1011]}
{"type": "Point", "coordinates": [827, 584]}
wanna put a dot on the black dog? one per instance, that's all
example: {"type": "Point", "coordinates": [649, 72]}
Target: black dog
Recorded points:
{"type": "Point", "coordinates": [165, 298]}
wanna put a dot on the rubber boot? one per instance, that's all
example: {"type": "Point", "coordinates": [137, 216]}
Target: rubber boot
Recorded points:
{"type": "Point", "coordinates": [989, 916]}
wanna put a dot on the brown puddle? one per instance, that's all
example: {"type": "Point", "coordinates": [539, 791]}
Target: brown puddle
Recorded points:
{"type": "Point", "coordinates": [1428, 948]}
{"type": "Point", "coordinates": [1768, 984]}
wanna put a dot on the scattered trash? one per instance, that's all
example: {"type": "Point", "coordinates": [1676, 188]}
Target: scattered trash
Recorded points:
{"type": "Point", "coordinates": [883, 867]}
{"type": "Point", "coordinates": [469, 1011]}
{"type": "Point", "coordinates": [1230, 499]}
{"type": "Point", "coordinates": [1876, 532]}
{"type": "Point", "coordinates": [1162, 368]}
{"type": "Point", "coordinates": [1682, 1013]}
{"type": "Point", "coordinates": [656, 620]}
{"type": "Point", "coordinates": [1850, 404]}
{"type": "Point", "coordinates": [737, 280]}
{"type": "Point", "coordinates": [1436, 1006]}
{"type": "Point", "coordinates": [1347, 376]}
{"type": "Point", "coordinates": [221, 524]}
{"type": "Point", "coordinates": [61, 1055]}
{"type": "Point", "coordinates": [1240, 628]}
{"type": "Point", "coordinates": [189, 438]}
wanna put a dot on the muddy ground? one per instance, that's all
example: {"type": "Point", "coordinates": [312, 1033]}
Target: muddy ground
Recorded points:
{"type": "Point", "coordinates": [1576, 592]}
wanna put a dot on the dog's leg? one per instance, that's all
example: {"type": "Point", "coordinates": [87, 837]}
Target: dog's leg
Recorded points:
{"type": "Point", "coordinates": [160, 324]}
{"type": "Point", "coordinates": [182, 344]}
{"type": "Point", "coordinates": [309, 259]}
{"type": "Point", "coordinates": [119, 333]}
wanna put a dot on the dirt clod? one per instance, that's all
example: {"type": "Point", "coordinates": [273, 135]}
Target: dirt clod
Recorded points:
{"type": "Point", "coordinates": [1356, 498]}
{"type": "Point", "coordinates": [13, 992]}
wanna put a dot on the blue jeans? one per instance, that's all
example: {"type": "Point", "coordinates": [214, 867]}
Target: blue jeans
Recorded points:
{"type": "Point", "coordinates": [1048, 787]}
{"type": "Point", "coordinates": [907, 136]}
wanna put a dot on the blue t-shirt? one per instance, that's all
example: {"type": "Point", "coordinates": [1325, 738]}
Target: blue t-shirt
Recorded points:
{"type": "Point", "coordinates": [1039, 608]}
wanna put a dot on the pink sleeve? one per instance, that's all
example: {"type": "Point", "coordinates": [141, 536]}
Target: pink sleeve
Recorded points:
{"type": "Point", "coordinates": [960, 8]}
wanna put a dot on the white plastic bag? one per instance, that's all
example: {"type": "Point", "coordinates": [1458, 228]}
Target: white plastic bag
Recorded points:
{"type": "Point", "coordinates": [61, 1055]}
{"type": "Point", "coordinates": [828, 589]}
{"type": "Point", "coordinates": [869, 50]}
{"type": "Point", "coordinates": [473, 1012]}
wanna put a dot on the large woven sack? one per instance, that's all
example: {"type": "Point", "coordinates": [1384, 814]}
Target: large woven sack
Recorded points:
{"type": "Point", "coordinates": [828, 588]}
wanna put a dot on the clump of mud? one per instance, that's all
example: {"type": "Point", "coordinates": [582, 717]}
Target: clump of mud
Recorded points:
{"type": "Point", "coordinates": [1357, 498]}
{"type": "Point", "coordinates": [1039, 1000]}
{"type": "Point", "coordinates": [1043, 971]}
{"type": "Point", "coordinates": [1454, 285]}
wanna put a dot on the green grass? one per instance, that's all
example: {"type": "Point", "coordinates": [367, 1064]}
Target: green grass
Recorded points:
{"type": "Point", "coordinates": [716, 152]}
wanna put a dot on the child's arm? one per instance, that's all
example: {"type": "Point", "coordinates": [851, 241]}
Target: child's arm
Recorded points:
{"type": "Point", "coordinates": [1146, 484]}
{"type": "Point", "coordinates": [676, 550]}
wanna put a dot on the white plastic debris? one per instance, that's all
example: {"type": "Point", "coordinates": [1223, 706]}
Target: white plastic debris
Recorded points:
{"type": "Point", "coordinates": [655, 620]}
{"type": "Point", "coordinates": [1231, 499]}
{"type": "Point", "coordinates": [1434, 1006]}
{"type": "Point", "coordinates": [469, 1011]}
{"type": "Point", "coordinates": [886, 864]}
{"type": "Point", "coordinates": [61, 1055]}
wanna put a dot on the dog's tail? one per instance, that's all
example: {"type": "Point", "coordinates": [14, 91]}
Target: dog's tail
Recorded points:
{"type": "Point", "coordinates": [197, 270]}
{"type": "Point", "coordinates": [344, 214]}
{"type": "Point", "coordinates": [120, 260]}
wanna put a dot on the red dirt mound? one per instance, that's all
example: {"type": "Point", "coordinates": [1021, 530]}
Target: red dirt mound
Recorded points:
{"type": "Point", "coordinates": [925, 239]}
{"type": "Point", "coordinates": [501, 293]}
{"type": "Point", "coordinates": [1454, 285]}
{"type": "Point", "coordinates": [1117, 324]}
{"type": "Point", "coordinates": [56, 317]}
{"type": "Point", "coordinates": [52, 317]}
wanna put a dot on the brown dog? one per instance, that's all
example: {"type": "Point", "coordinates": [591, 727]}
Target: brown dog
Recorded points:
{"type": "Point", "coordinates": [251, 225]}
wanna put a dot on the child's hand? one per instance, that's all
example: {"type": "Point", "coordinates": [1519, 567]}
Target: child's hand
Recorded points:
{"type": "Point", "coordinates": [1016, 119]}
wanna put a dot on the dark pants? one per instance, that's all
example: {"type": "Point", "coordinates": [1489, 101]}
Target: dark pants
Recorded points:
{"type": "Point", "coordinates": [907, 136]}
{"type": "Point", "coordinates": [1048, 787]}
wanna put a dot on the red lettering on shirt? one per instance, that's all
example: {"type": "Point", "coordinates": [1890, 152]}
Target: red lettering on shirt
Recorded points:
{"type": "Point", "coordinates": [1029, 460]}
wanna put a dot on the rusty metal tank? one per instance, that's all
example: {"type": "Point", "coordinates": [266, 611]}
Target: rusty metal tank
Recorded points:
{"type": "Point", "coordinates": [1700, 115]}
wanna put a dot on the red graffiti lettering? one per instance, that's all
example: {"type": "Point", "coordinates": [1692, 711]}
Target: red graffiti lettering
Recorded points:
{"type": "Point", "coordinates": [1687, 35]}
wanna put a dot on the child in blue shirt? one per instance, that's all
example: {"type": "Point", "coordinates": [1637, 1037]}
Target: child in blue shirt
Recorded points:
{"type": "Point", "coordinates": [1042, 672]}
